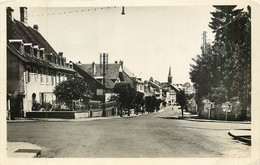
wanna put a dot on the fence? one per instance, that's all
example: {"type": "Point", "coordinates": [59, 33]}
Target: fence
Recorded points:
{"type": "Point", "coordinates": [96, 108]}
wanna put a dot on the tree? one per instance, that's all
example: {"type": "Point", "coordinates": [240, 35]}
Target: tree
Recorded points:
{"type": "Point", "coordinates": [223, 70]}
{"type": "Point", "coordinates": [72, 89]}
{"type": "Point", "coordinates": [148, 103]}
{"type": "Point", "coordinates": [138, 100]}
{"type": "Point", "coordinates": [232, 29]}
{"type": "Point", "coordinates": [181, 99]}
{"type": "Point", "coordinates": [126, 95]}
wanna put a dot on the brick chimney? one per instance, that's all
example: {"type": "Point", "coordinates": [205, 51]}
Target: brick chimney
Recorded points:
{"type": "Point", "coordinates": [23, 15]}
{"type": "Point", "coordinates": [94, 66]}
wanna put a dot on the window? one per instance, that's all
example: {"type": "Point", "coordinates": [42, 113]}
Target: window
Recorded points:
{"type": "Point", "coordinates": [58, 77]}
{"type": "Point", "coordinates": [52, 78]}
{"type": "Point", "coordinates": [47, 79]}
{"type": "Point", "coordinates": [41, 54]}
{"type": "Point", "coordinates": [27, 74]}
{"type": "Point", "coordinates": [35, 52]}
{"type": "Point", "coordinates": [35, 77]}
{"type": "Point", "coordinates": [41, 78]}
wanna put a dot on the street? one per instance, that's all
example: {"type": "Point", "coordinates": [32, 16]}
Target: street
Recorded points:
{"type": "Point", "coordinates": [152, 136]}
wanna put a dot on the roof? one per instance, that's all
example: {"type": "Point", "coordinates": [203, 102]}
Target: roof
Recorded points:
{"type": "Point", "coordinates": [30, 35]}
{"type": "Point", "coordinates": [108, 83]}
{"type": "Point", "coordinates": [128, 72]}
{"type": "Point", "coordinates": [113, 70]}
{"type": "Point", "coordinates": [175, 88]}
{"type": "Point", "coordinates": [154, 84]}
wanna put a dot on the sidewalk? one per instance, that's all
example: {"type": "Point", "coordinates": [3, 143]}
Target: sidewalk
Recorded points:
{"type": "Point", "coordinates": [192, 117]}
{"type": "Point", "coordinates": [243, 135]}
{"type": "Point", "coordinates": [22, 150]}
{"type": "Point", "coordinates": [70, 120]}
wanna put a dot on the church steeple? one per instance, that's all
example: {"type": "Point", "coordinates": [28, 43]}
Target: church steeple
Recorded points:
{"type": "Point", "coordinates": [170, 76]}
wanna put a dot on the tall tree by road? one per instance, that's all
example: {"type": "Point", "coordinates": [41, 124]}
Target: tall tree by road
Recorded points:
{"type": "Point", "coordinates": [181, 99]}
{"type": "Point", "coordinates": [226, 65]}
{"type": "Point", "coordinates": [126, 95]}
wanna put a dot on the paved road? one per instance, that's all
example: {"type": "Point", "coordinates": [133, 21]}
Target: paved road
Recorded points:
{"type": "Point", "coordinates": [155, 135]}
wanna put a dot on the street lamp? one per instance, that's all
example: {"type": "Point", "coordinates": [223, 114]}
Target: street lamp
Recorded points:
{"type": "Point", "coordinates": [123, 10]}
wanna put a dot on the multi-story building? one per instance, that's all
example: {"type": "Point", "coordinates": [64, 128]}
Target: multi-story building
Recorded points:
{"type": "Point", "coordinates": [34, 68]}
{"type": "Point", "coordinates": [115, 73]}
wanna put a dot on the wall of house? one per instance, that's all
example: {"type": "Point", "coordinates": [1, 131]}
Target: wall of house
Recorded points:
{"type": "Point", "coordinates": [170, 97]}
{"type": "Point", "coordinates": [15, 77]}
{"type": "Point", "coordinates": [43, 86]}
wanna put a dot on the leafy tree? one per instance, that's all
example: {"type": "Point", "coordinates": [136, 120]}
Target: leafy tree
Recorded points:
{"type": "Point", "coordinates": [138, 100]}
{"type": "Point", "coordinates": [158, 103]}
{"type": "Point", "coordinates": [181, 99]}
{"type": "Point", "coordinates": [153, 103]}
{"type": "Point", "coordinates": [148, 103]}
{"type": "Point", "coordinates": [72, 89]}
{"type": "Point", "coordinates": [126, 95]}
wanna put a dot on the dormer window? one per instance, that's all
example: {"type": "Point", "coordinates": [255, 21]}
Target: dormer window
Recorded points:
{"type": "Point", "coordinates": [28, 48]}
{"type": "Point", "coordinates": [36, 51]}
{"type": "Point", "coordinates": [18, 44]}
{"type": "Point", "coordinates": [58, 61]}
{"type": "Point", "coordinates": [42, 53]}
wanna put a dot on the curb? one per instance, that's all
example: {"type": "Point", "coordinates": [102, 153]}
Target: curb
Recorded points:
{"type": "Point", "coordinates": [244, 138]}
{"type": "Point", "coordinates": [217, 121]}
{"type": "Point", "coordinates": [23, 150]}
{"type": "Point", "coordinates": [34, 120]}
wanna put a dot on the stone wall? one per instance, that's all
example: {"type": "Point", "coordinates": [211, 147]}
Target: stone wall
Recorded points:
{"type": "Point", "coordinates": [217, 113]}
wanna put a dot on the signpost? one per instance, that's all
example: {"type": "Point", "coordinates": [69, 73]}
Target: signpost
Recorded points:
{"type": "Point", "coordinates": [208, 106]}
{"type": "Point", "coordinates": [227, 107]}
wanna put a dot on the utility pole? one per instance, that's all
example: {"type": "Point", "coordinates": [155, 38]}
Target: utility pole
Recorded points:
{"type": "Point", "coordinates": [204, 37]}
{"type": "Point", "coordinates": [104, 68]}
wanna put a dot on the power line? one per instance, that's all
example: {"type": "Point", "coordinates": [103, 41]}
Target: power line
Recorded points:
{"type": "Point", "coordinates": [72, 11]}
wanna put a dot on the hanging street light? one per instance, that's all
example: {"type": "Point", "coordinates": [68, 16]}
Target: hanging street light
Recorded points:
{"type": "Point", "coordinates": [123, 10]}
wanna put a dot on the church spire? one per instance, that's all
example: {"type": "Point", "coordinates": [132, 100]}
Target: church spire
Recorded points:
{"type": "Point", "coordinates": [170, 76]}
{"type": "Point", "coordinates": [170, 73]}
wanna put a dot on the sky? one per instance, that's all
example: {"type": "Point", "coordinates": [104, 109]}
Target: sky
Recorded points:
{"type": "Point", "coordinates": [148, 39]}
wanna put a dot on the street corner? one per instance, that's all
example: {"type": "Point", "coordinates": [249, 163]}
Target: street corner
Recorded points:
{"type": "Point", "coordinates": [243, 135]}
{"type": "Point", "coordinates": [22, 150]}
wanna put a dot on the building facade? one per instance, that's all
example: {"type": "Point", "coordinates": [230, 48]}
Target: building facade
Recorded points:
{"type": "Point", "coordinates": [33, 68]}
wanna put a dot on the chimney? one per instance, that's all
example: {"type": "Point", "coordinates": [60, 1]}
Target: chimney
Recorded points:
{"type": "Point", "coordinates": [36, 27]}
{"type": "Point", "coordinates": [71, 64]}
{"type": "Point", "coordinates": [121, 63]}
{"type": "Point", "coordinates": [61, 54]}
{"type": "Point", "coordinates": [9, 11]}
{"type": "Point", "coordinates": [23, 15]}
{"type": "Point", "coordinates": [94, 68]}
